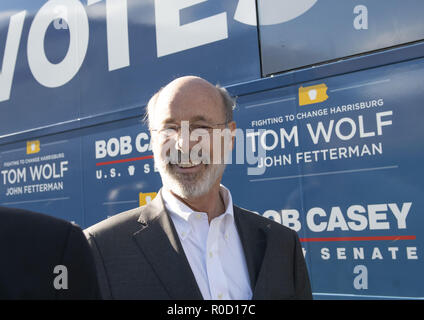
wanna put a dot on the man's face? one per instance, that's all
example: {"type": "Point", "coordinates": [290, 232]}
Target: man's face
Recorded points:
{"type": "Point", "coordinates": [193, 109]}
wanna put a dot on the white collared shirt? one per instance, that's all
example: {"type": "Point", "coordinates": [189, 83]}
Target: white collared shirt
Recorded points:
{"type": "Point", "coordinates": [214, 251]}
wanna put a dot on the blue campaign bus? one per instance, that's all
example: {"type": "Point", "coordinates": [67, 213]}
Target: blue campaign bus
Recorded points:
{"type": "Point", "coordinates": [331, 90]}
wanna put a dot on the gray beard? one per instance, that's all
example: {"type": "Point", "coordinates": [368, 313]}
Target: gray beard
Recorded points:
{"type": "Point", "coordinates": [190, 185]}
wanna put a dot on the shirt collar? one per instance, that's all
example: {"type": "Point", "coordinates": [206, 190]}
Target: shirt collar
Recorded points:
{"type": "Point", "coordinates": [176, 206]}
{"type": "Point", "coordinates": [180, 209]}
{"type": "Point", "coordinates": [228, 201]}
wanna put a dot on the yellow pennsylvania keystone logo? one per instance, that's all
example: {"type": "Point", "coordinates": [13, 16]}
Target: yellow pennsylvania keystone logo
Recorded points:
{"type": "Point", "coordinates": [145, 198]}
{"type": "Point", "coordinates": [312, 94]}
{"type": "Point", "coordinates": [33, 147]}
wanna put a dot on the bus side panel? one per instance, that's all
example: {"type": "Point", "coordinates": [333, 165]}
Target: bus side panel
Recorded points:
{"type": "Point", "coordinates": [346, 174]}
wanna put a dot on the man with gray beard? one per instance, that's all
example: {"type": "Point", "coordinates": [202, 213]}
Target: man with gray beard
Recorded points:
{"type": "Point", "coordinates": [191, 241]}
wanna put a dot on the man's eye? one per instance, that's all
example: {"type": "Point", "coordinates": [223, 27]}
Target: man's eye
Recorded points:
{"type": "Point", "coordinates": [204, 127]}
{"type": "Point", "coordinates": [168, 131]}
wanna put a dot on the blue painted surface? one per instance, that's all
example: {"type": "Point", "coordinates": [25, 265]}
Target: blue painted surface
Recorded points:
{"type": "Point", "coordinates": [100, 106]}
{"type": "Point", "coordinates": [32, 105]}
{"type": "Point", "coordinates": [334, 29]}
{"type": "Point", "coordinates": [367, 181]}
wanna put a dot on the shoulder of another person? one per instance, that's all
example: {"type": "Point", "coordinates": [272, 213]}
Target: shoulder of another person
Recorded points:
{"type": "Point", "coordinates": [31, 223]}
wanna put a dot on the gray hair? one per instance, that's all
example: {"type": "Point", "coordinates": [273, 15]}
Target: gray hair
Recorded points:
{"type": "Point", "coordinates": [149, 108]}
{"type": "Point", "coordinates": [227, 100]}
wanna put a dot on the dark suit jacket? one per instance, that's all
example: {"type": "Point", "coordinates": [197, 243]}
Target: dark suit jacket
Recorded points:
{"type": "Point", "coordinates": [139, 256]}
{"type": "Point", "coordinates": [31, 246]}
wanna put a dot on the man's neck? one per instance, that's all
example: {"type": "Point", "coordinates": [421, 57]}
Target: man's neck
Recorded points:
{"type": "Point", "coordinates": [211, 202]}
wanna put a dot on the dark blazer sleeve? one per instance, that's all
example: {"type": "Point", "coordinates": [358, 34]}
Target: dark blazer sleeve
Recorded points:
{"type": "Point", "coordinates": [102, 277]}
{"type": "Point", "coordinates": [77, 257]}
{"type": "Point", "coordinates": [301, 278]}
{"type": "Point", "coordinates": [32, 246]}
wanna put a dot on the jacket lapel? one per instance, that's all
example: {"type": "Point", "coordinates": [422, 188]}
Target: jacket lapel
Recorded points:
{"type": "Point", "coordinates": [159, 242]}
{"type": "Point", "coordinates": [254, 242]}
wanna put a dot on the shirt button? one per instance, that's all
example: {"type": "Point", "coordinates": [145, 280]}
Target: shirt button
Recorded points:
{"type": "Point", "coordinates": [183, 234]}
{"type": "Point", "coordinates": [220, 296]}
{"type": "Point", "coordinates": [210, 254]}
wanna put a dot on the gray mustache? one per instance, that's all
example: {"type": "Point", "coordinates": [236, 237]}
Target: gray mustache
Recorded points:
{"type": "Point", "coordinates": [177, 156]}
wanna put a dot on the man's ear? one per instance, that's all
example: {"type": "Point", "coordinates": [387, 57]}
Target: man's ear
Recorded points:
{"type": "Point", "coordinates": [152, 139]}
